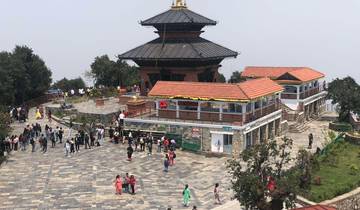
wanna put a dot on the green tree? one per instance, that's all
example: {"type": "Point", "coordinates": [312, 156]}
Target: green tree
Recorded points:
{"type": "Point", "coordinates": [4, 128]}
{"type": "Point", "coordinates": [236, 77]}
{"type": "Point", "coordinates": [222, 78]}
{"type": "Point", "coordinates": [251, 183]}
{"type": "Point", "coordinates": [24, 76]}
{"type": "Point", "coordinates": [112, 74]}
{"type": "Point", "coordinates": [7, 92]}
{"type": "Point", "coordinates": [66, 84]}
{"type": "Point", "coordinates": [346, 93]}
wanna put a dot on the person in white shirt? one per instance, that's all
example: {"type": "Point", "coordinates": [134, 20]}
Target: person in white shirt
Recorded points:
{"type": "Point", "coordinates": [121, 118]}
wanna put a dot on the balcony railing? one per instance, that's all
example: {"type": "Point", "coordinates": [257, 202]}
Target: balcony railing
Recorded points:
{"type": "Point", "coordinates": [309, 93]}
{"type": "Point", "coordinates": [288, 95]}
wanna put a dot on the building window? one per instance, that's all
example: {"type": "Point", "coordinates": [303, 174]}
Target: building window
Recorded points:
{"type": "Point", "coordinates": [172, 105]}
{"type": "Point", "coordinates": [228, 139]}
{"type": "Point", "coordinates": [188, 105]}
{"type": "Point", "coordinates": [290, 89]}
{"type": "Point", "coordinates": [232, 108]}
{"type": "Point", "coordinates": [248, 107]}
{"type": "Point", "coordinates": [257, 104]}
{"type": "Point", "coordinates": [210, 107]}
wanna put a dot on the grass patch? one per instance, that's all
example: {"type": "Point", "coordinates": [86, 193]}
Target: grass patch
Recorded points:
{"type": "Point", "coordinates": [76, 99]}
{"type": "Point", "coordinates": [339, 172]}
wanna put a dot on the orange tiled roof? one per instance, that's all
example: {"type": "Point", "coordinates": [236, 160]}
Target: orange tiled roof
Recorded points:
{"type": "Point", "coordinates": [245, 91]}
{"type": "Point", "coordinates": [303, 74]}
{"type": "Point", "coordinates": [316, 207]}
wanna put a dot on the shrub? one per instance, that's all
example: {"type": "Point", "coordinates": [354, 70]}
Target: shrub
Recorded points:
{"type": "Point", "coordinates": [354, 170]}
{"type": "Point", "coordinates": [340, 126]}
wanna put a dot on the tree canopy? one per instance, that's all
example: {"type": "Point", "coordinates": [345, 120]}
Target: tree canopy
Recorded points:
{"type": "Point", "coordinates": [236, 77]}
{"type": "Point", "coordinates": [24, 76]}
{"type": "Point", "coordinates": [66, 84]}
{"type": "Point", "coordinates": [346, 93]}
{"type": "Point", "coordinates": [113, 73]}
{"type": "Point", "coordinates": [264, 183]}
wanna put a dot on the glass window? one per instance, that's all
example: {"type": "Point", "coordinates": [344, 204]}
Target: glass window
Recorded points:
{"type": "Point", "coordinates": [290, 89]}
{"type": "Point", "coordinates": [210, 107]}
{"type": "Point", "coordinates": [265, 101]}
{"type": "Point", "coordinates": [232, 108]}
{"type": "Point", "coordinates": [257, 104]}
{"type": "Point", "coordinates": [172, 105]}
{"type": "Point", "coordinates": [228, 139]}
{"type": "Point", "coordinates": [188, 105]}
{"type": "Point", "coordinates": [248, 107]}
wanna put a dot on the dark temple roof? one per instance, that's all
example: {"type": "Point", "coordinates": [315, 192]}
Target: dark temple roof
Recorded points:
{"type": "Point", "coordinates": [178, 16]}
{"type": "Point", "coordinates": [190, 48]}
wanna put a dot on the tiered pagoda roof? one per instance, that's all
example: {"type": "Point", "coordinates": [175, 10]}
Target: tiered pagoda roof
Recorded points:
{"type": "Point", "coordinates": [178, 16]}
{"type": "Point", "coordinates": [179, 29]}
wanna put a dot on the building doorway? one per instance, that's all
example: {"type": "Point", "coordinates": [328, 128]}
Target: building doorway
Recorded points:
{"type": "Point", "coordinates": [221, 142]}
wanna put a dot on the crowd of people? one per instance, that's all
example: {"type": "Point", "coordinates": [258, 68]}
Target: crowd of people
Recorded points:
{"type": "Point", "coordinates": [136, 141]}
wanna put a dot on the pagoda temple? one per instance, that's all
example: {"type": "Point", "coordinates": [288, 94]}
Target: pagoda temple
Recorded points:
{"type": "Point", "coordinates": [179, 53]}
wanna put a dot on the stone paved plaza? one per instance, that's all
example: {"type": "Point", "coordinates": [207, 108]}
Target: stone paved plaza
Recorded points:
{"type": "Point", "coordinates": [85, 181]}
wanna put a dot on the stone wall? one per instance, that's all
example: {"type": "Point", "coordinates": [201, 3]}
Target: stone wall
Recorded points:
{"type": "Point", "coordinates": [348, 201]}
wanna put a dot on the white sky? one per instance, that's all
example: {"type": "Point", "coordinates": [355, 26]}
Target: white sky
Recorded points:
{"type": "Point", "coordinates": [69, 34]}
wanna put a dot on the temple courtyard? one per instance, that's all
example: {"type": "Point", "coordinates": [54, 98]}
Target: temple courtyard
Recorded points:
{"type": "Point", "coordinates": [86, 180]}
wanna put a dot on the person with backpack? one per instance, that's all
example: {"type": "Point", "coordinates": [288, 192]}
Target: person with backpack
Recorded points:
{"type": "Point", "coordinates": [186, 196]}
{"type": "Point", "coordinates": [172, 157]}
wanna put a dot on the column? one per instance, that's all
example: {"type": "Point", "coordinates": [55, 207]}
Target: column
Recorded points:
{"type": "Point", "coordinates": [298, 92]}
{"type": "Point", "coordinates": [177, 109]}
{"type": "Point", "coordinates": [157, 108]}
{"type": "Point", "coordinates": [221, 112]}
{"type": "Point", "coordinates": [243, 108]}
{"type": "Point", "coordinates": [199, 110]}
{"type": "Point", "coordinates": [273, 129]}
{"type": "Point", "coordinates": [267, 132]}
{"type": "Point", "coordinates": [261, 107]}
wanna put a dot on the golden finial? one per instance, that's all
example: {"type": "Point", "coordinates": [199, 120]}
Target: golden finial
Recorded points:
{"type": "Point", "coordinates": [180, 4]}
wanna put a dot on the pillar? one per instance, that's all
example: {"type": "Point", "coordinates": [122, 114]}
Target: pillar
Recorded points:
{"type": "Point", "coordinates": [221, 112]}
{"type": "Point", "coordinates": [243, 108]}
{"type": "Point", "coordinates": [298, 92]}
{"type": "Point", "coordinates": [177, 109]}
{"type": "Point", "coordinates": [199, 110]}
{"type": "Point", "coordinates": [267, 132]}
{"type": "Point", "coordinates": [157, 108]}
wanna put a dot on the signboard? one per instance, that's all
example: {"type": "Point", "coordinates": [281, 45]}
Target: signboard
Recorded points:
{"type": "Point", "coordinates": [195, 133]}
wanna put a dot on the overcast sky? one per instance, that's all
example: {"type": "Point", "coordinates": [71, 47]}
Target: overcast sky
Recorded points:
{"type": "Point", "coordinates": [69, 34]}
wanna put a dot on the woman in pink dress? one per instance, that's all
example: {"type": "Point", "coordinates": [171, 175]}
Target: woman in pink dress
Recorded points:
{"type": "Point", "coordinates": [118, 185]}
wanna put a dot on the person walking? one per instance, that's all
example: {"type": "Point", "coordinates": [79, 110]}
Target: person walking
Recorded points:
{"type": "Point", "coordinates": [87, 144]}
{"type": "Point", "coordinates": [72, 146]}
{"type": "Point", "coordinates": [67, 148]}
{"type": "Point", "coordinates": [118, 185]}
{"type": "Point", "coordinates": [61, 134]}
{"type": "Point", "coordinates": [77, 143]}
{"type": "Point", "coordinates": [45, 140]}
{"type": "Point", "coordinates": [132, 184]}
{"type": "Point", "coordinates": [127, 183]}
{"type": "Point", "coordinates": [50, 116]}
{"type": "Point", "coordinates": [166, 163]}
{"type": "Point", "coordinates": [130, 151]}
{"type": "Point", "coordinates": [32, 142]}
{"type": "Point", "coordinates": [217, 194]}
{"type": "Point", "coordinates": [311, 139]}
{"type": "Point", "coordinates": [172, 157]}
{"type": "Point", "coordinates": [186, 196]}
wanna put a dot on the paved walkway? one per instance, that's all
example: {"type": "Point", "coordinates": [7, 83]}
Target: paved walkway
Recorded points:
{"type": "Point", "coordinates": [85, 181]}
